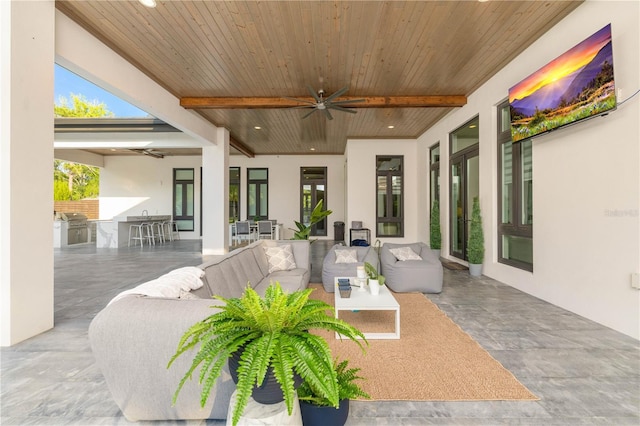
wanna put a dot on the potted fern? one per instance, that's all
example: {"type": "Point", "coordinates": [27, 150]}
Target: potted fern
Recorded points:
{"type": "Point", "coordinates": [435, 236]}
{"type": "Point", "coordinates": [319, 411]}
{"type": "Point", "coordinates": [268, 344]}
{"type": "Point", "coordinates": [475, 244]}
{"type": "Point", "coordinates": [376, 280]}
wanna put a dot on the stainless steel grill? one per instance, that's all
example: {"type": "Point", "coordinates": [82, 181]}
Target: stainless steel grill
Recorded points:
{"type": "Point", "coordinates": [77, 229]}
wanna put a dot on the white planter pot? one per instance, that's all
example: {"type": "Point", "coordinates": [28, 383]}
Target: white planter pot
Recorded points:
{"type": "Point", "coordinates": [475, 270]}
{"type": "Point", "coordinates": [374, 287]}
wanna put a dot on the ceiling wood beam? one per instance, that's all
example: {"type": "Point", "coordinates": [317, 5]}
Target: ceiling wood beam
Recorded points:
{"type": "Point", "coordinates": [369, 102]}
{"type": "Point", "coordinates": [242, 148]}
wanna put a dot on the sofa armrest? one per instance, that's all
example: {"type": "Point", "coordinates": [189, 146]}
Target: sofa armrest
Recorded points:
{"type": "Point", "coordinates": [301, 253]}
{"type": "Point", "coordinates": [372, 258]}
{"type": "Point", "coordinates": [427, 254]}
{"type": "Point", "coordinates": [134, 338]}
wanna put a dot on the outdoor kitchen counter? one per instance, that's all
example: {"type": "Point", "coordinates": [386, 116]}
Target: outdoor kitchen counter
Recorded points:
{"type": "Point", "coordinates": [115, 233]}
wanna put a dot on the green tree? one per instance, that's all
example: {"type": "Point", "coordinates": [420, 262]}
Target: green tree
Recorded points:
{"type": "Point", "coordinates": [73, 181]}
{"type": "Point", "coordinates": [80, 107]}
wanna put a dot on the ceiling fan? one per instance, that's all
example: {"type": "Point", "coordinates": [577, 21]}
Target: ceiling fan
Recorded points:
{"type": "Point", "coordinates": [320, 103]}
{"type": "Point", "coordinates": [150, 152]}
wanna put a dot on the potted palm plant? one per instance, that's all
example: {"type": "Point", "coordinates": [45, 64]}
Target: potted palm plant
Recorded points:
{"type": "Point", "coordinates": [475, 244]}
{"type": "Point", "coordinates": [376, 280]}
{"type": "Point", "coordinates": [435, 236]}
{"type": "Point", "coordinates": [317, 215]}
{"type": "Point", "coordinates": [319, 411]}
{"type": "Point", "coordinates": [268, 345]}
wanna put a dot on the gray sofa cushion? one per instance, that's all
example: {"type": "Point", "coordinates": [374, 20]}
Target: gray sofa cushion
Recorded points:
{"type": "Point", "coordinates": [290, 281]}
{"type": "Point", "coordinates": [331, 269]}
{"type": "Point", "coordinates": [134, 338]}
{"type": "Point", "coordinates": [229, 275]}
{"type": "Point", "coordinates": [423, 275]}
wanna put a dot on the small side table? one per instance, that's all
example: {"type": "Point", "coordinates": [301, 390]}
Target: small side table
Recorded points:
{"type": "Point", "coordinates": [359, 234]}
{"type": "Point", "coordinates": [256, 414]}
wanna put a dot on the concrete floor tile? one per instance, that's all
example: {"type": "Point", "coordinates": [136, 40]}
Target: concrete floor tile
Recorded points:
{"type": "Point", "coordinates": [583, 373]}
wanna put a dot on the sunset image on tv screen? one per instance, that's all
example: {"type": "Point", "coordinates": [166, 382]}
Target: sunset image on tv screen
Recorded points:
{"type": "Point", "coordinates": [577, 85]}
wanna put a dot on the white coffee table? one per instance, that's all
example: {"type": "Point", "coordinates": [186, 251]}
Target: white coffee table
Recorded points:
{"type": "Point", "coordinates": [365, 301]}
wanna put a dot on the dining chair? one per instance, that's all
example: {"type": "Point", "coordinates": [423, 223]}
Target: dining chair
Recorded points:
{"type": "Point", "coordinates": [265, 229]}
{"type": "Point", "coordinates": [243, 232]}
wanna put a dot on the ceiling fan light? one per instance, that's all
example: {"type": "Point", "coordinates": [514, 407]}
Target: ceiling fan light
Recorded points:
{"type": "Point", "coordinates": [148, 3]}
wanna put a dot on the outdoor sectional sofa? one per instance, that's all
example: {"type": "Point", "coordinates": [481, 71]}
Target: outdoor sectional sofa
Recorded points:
{"type": "Point", "coordinates": [134, 337]}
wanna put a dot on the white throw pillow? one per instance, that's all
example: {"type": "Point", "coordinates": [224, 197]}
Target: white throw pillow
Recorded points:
{"type": "Point", "coordinates": [187, 295]}
{"type": "Point", "coordinates": [346, 256]}
{"type": "Point", "coordinates": [405, 253]}
{"type": "Point", "coordinates": [280, 258]}
{"type": "Point", "coordinates": [170, 285]}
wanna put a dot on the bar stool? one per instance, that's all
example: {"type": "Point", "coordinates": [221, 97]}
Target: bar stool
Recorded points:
{"type": "Point", "coordinates": [166, 230]}
{"type": "Point", "coordinates": [158, 229]}
{"type": "Point", "coordinates": [173, 229]}
{"type": "Point", "coordinates": [136, 233]}
{"type": "Point", "coordinates": [148, 234]}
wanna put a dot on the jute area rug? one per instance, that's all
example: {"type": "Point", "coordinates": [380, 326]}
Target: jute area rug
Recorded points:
{"type": "Point", "coordinates": [434, 360]}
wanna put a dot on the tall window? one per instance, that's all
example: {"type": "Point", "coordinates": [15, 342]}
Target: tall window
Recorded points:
{"type": "Point", "coordinates": [257, 194]}
{"type": "Point", "coordinates": [389, 196]}
{"type": "Point", "coordinates": [515, 196]}
{"type": "Point", "coordinates": [313, 188]}
{"type": "Point", "coordinates": [234, 194]}
{"type": "Point", "coordinates": [183, 202]}
{"type": "Point", "coordinates": [434, 166]}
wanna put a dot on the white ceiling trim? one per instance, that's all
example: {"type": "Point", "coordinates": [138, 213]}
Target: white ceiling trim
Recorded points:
{"type": "Point", "coordinates": [127, 140]}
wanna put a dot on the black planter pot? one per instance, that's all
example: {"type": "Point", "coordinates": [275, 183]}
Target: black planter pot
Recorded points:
{"type": "Point", "coordinates": [267, 393]}
{"type": "Point", "coordinates": [316, 415]}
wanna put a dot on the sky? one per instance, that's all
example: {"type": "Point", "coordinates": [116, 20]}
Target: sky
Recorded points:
{"type": "Point", "coordinates": [67, 83]}
{"type": "Point", "coordinates": [564, 65]}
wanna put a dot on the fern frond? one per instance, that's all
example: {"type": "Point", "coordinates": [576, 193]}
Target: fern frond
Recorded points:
{"type": "Point", "coordinates": [314, 364]}
{"type": "Point", "coordinates": [283, 371]}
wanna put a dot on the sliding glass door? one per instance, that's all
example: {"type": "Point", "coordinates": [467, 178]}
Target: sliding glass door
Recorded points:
{"type": "Point", "coordinates": [313, 182]}
{"type": "Point", "coordinates": [465, 184]}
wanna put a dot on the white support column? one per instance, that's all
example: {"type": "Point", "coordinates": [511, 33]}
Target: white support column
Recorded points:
{"type": "Point", "coordinates": [215, 195]}
{"type": "Point", "coordinates": [26, 174]}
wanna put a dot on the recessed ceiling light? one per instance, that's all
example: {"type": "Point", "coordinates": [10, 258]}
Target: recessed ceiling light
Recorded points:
{"type": "Point", "coordinates": [473, 126]}
{"type": "Point", "coordinates": [148, 3]}
{"type": "Point", "coordinates": [391, 127]}
{"type": "Point", "coordinates": [113, 149]}
{"type": "Point", "coordinates": [312, 149]}
{"type": "Point", "coordinates": [257, 127]}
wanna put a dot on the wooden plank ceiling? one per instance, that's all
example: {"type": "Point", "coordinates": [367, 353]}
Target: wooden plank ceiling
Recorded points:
{"type": "Point", "coordinates": [274, 49]}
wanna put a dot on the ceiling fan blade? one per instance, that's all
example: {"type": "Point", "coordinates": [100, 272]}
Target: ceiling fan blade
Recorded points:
{"type": "Point", "coordinates": [328, 114]}
{"type": "Point", "coordinates": [337, 94]}
{"type": "Point", "coordinates": [347, 101]}
{"type": "Point", "coordinates": [314, 94]}
{"type": "Point", "coordinates": [310, 104]}
{"type": "Point", "coordinates": [309, 113]}
{"type": "Point", "coordinates": [339, 108]}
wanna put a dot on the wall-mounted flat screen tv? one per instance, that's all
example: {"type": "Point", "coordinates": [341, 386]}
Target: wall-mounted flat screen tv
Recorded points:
{"type": "Point", "coordinates": [573, 87]}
